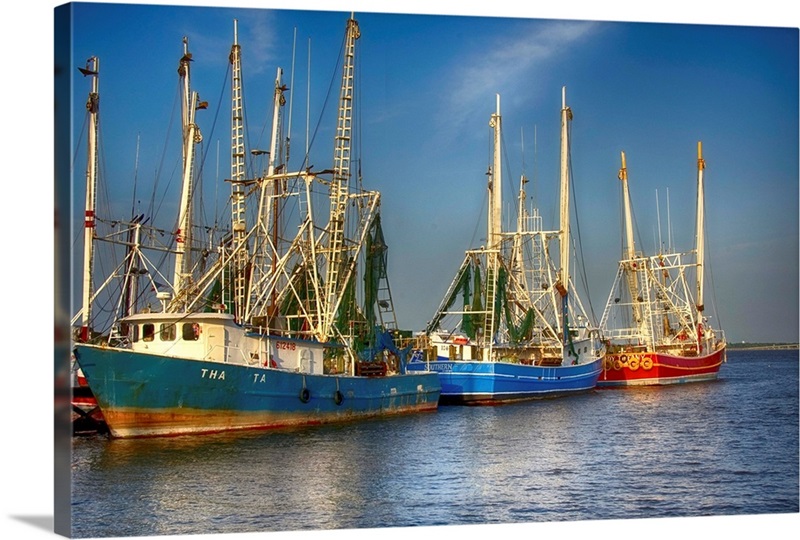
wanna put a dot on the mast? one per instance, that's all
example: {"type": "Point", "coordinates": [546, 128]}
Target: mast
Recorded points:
{"type": "Point", "coordinates": [563, 281]}
{"type": "Point", "coordinates": [496, 183]}
{"type": "Point", "coordinates": [522, 217]}
{"type": "Point", "coordinates": [191, 136]}
{"type": "Point", "coordinates": [495, 230]}
{"type": "Point", "coordinates": [93, 106]}
{"type": "Point", "coordinates": [522, 212]}
{"type": "Point", "coordinates": [701, 165]}
{"type": "Point", "coordinates": [630, 247]}
{"type": "Point", "coordinates": [339, 187]}
{"type": "Point", "coordinates": [268, 214]}
{"type": "Point", "coordinates": [238, 208]}
{"type": "Point", "coordinates": [278, 101]}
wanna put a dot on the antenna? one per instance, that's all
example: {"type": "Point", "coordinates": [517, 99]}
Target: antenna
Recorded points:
{"type": "Point", "coordinates": [658, 217]}
{"type": "Point", "coordinates": [669, 226]}
{"type": "Point", "coordinates": [291, 96]}
{"type": "Point", "coordinates": [535, 165]}
{"type": "Point", "coordinates": [135, 175]}
{"type": "Point", "coordinates": [308, 96]}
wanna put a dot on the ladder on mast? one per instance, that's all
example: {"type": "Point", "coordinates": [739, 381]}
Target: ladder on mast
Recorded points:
{"type": "Point", "coordinates": [491, 283]}
{"type": "Point", "coordinates": [238, 206]}
{"type": "Point", "coordinates": [339, 188]}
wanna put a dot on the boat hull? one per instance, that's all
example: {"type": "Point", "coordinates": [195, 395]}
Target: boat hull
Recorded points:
{"type": "Point", "coordinates": [651, 369]}
{"type": "Point", "coordinates": [144, 395]}
{"type": "Point", "coordinates": [488, 383]}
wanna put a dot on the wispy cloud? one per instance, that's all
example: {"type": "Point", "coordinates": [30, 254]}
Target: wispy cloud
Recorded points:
{"type": "Point", "coordinates": [504, 63]}
{"type": "Point", "coordinates": [256, 33]}
{"type": "Point", "coordinates": [261, 35]}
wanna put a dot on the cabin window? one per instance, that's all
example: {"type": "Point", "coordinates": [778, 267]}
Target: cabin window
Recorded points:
{"type": "Point", "coordinates": [190, 331]}
{"type": "Point", "coordinates": [148, 332]}
{"type": "Point", "coordinates": [167, 332]}
{"type": "Point", "coordinates": [135, 336]}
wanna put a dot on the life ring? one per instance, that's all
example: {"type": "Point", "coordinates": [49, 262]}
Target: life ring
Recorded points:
{"type": "Point", "coordinates": [607, 364]}
{"type": "Point", "coordinates": [305, 395]}
{"type": "Point", "coordinates": [617, 364]}
{"type": "Point", "coordinates": [647, 363]}
{"type": "Point", "coordinates": [338, 397]}
{"type": "Point", "coordinates": [624, 358]}
{"type": "Point", "coordinates": [633, 365]}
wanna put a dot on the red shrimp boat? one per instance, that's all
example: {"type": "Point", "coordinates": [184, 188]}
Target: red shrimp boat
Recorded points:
{"type": "Point", "coordinates": [657, 331]}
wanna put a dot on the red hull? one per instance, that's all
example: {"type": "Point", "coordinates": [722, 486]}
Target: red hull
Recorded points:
{"type": "Point", "coordinates": [86, 414]}
{"type": "Point", "coordinates": [650, 368]}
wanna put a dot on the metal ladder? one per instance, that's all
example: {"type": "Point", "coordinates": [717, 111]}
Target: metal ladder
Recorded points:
{"type": "Point", "coordinates": [237, 180]}
{"type": "Point", "coordinates": [339, 189]}
{"type": "Point", "coordinates": [491, 283]}
{"type": "Point", "coordinates": [386, 305]}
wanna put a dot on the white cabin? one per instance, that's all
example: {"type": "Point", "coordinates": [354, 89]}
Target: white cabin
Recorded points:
{"type": "Point", "coordinates": [215, 337]}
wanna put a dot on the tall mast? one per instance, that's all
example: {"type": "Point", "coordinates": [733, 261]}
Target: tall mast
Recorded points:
{"type": "Point", "coordinates": [563, 285]}
{"type": "Point", "coordinates": [278, 101]}
{"type": "Point", "coordinates": [339, 188]}
{"type": "Point", "coordinates": [493, 239]}
{"type": "Point", "coordinates": [630, 248]}
{"type": "Point", "coordinates": [496, 183]}
{"type": "Point", "coordinates": [93, 106]}
{"type": "Point", "coordinates": [191, 136]}
{"type": "Point", "coordinates": [268, 214]}
{"type": "Point", "coordinates": [238, 223]}
{"type": "Point", "coordinates": [522, 217]}
{"type": "Point", "coordinates": [701, 164]}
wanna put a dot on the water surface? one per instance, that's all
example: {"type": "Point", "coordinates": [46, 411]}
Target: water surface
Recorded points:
{"type": "Point", "coordinates": [728, 447]}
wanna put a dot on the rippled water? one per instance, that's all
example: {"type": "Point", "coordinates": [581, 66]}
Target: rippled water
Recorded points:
{"type": "Point", "coordinates": [728, 447]}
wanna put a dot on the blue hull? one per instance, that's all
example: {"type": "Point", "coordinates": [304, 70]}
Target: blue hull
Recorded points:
{"type": "Point", "coordinates": [149, 395]}
{"type": "Point", "coordinates": [486, 383]}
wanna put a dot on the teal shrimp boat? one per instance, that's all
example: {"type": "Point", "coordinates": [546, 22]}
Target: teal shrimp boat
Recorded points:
{"type": "Point", "coordinates": [258, 329]}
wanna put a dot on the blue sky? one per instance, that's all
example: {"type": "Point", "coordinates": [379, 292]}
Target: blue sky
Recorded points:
{"type": "Point", "coordinates": [427, 89]}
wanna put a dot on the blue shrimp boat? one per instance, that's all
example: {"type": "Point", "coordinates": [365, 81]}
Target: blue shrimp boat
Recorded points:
{"type": "Point", "coordinates": [269, 334]}
{"type": "Point", "coordinates": [520, 331]}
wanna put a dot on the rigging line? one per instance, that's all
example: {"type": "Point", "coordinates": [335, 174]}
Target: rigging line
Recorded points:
{"type": "Point", "coordinates": [153, 210]}
{"type": "Point", "coordinates": [308, 96]}
{"type": "Point", "coordinates": [135, 176]}
{"type": "Point", "coordinates": [291, 96]}
{"type": "Point", "coordinates": [205, 149]}
{"type": "Point", "coordinates": [584, 277]}
{"type": "Point", "coordinates": [718, 323]}
{"type": "Point", "coordinates": [708, 259]}
{"type": "Point", "coordinates": [358, 116]}
{"type": "Point", "coordinates": [325, 102]}
{"type": "Point", "coordinates": [216, 189]}
{"type": "Point", "coordinates": [267, 122]}
{"type": "Point", "coordinates": [535, 179]}
{"type": "Point", "coordinates": [79, 230]}
{"type": "Point", "coordinates": [508, 176]}
{"type": "Point", "coordinates": [249, 163]}
{"type": "Point", "coordinates": [621, 209]}
{"type": "Point", "coordinates": [636, 231]}
{"type": "Point", "coordinates": [218, 108]}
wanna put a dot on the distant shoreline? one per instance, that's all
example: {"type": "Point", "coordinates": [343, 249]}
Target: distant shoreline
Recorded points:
{"type": "Point", "coordinates": [763, 346]}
